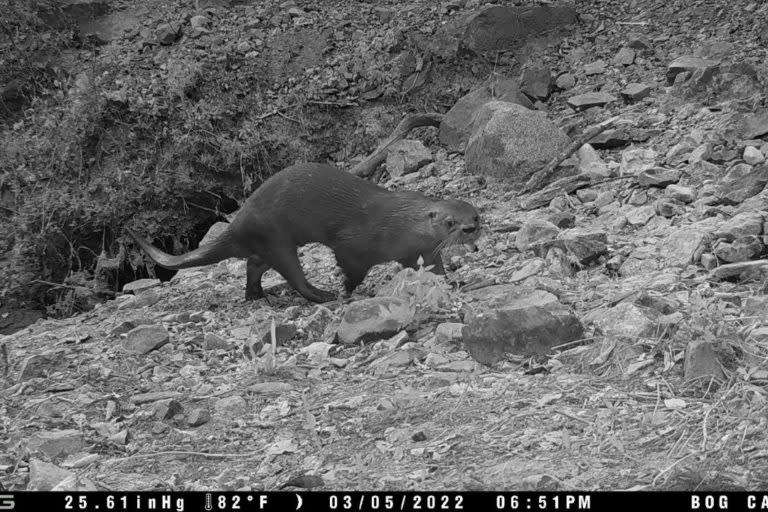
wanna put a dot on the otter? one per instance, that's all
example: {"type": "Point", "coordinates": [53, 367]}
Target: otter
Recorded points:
{"type": "Point", "coordinates": [363, 223]}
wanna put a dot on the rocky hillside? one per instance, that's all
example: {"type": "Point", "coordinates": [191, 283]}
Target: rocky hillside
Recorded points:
{"type": "Point", "coordinates": [610, 333]}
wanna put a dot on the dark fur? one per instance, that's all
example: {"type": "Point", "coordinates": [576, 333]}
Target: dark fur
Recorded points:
{"type": "Point", "coordinates": [361, 222]}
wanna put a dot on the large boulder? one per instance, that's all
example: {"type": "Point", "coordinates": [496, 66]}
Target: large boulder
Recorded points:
{"type": "Point", "coordinates": [501, 28]}
{"type": "Point", "coordinates": [456, 126]}
{"type": "Point", "coordinates": [510, 142]}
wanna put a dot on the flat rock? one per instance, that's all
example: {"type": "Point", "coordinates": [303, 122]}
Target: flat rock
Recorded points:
{"type": "Point", "coordinates": [640, 216]}
{"type": "Point", "coordinates": [657, 177]}
{"type": "Point", "coordinates": [689, 63]}
{"type": "Point", "coordinates": [140, 285]}
{"type": "Point", "coordinates": [44, 476]}
{"type": "Point", "coordinates": [744, 248]}
{"type": "Point", "coordinates": [145, 338]}
{"type": "Point", "coordinates": [142, 300]}
{"type": "Point", "coordinates": [375, 318]}
{"type": "Point", "coordinates": [684, 246]}
{"type": "Point", "coordinates": [231, 406]}
{"type": "Point", "coordinates": [536, 82]}
{"type": "Point", "coordinates": [584, 247]}
{"type": "Point", "coordinates": [624, 57]}
{"type": "Point", "coordinates": [741, 224]}
{"type": "Point", "coordinates": [407, 156]}
{"type": "Point", "coordinates": [54, 443]}
{"type": "Point", "coordinates": [741, 182]}
{"type": "Point", "coordinates": [501, 28]}
{"type": "Point", "coordinates": [635, 92]}
{"type": "Point", "coordinates": [701, 361]}
{"type": "Point", "coordinates": [448, 332]}
{"type": "Point", "coordinates": [683, 194]}
{"type": "Point", "coordinates": [534, 231]}
{"type": "Point", "coordinates": [626, 320]}
{"type": "Point", "coordinates": [745, 270]}
{"type": "Point", "coordinates": [589, 100]}
{"type": "Point", "coordinates": [528, 324]}
{"type": "Point", "coordinates": [594, 68]}
{"type": "Point", "coordinates": [636, 160]}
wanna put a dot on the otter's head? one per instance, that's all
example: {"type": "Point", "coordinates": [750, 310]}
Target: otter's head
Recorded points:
{"type": "Point", "coordinates": [454, 222]}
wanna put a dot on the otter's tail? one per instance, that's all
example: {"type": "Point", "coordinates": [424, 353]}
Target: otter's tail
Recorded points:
{"type": "Point", "coordinates": [221, 248]}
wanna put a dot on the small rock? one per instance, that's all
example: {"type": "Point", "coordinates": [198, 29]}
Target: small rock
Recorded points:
{"type": "Point", "coordinates": [141, 300]}
{"type": "Point", "coordinates": [668, 207]}
{"type": "Point", "coordinates": [741, 224]}
{"type": "Point", "coordinates": [145, 338]}
{"type": "Point", "coordinates": [199, 21]}
{"type": "Point", "coordinates": [38, 365]}
{"type": "Point", "coordinates": [75, 483]}
{"type": "Point", "coordinates": [635, 92]}
{"type": "Point", "coordinates": [140, 285]}
{"type": "Point", "coordinates": [533, 231]}
{"type": "Point", "coordinates": [528, 323]}
{"type": "Point", "coordinates": [54, 443]}
{"type": "Point", "coordinates": [594, 68]}
{"type": "Point", "coordinates": [565, 82]}
{"type": "Point", "coordinates": [407, 156]}
{"type": "Point", "coordinates": [586, 195]}
{"type": "Point", "coordinates": [44, 476]}
{"type": "Point", "coordinates": [701, 361]}
{"type": "Point", "coordinates": [215, 342]}
{"type": "Point", "coordinates": [589, 100]}
{"type": "Point", "coordinates": [448, 332]}
{"type": "Point", "coordinates": [536, 82]}
{"type": "Point", "coordinates": [753, 156]}
{"type": "Point", "coordinates": [231, 406]}
{"type": "Point", "coordinates": [702, 152]}
{"type": "Point", "coordinates": [626, 320]}
{"type": "Point", "coordinates": [742, 182]}
{"type": "Point", "coordinates": [683, 194]}
{"type": "Point", "coordinates": [688, 64]}
{"type": "Point", "coordinates": [625, 57]}
{"type": "Point", "coordinates": [376, 318]}
{"type": "Point", "coordinates": [197, 417]}
{"type": "Point", "coordinates": [638, 42]}
{"type": "Point", "coordinates": [744, 271]}
{"type": "Point", "coordinates": [640, 216]}
{"type": "Point", "coordinates": [744, 248]}
{"type": "Point", "coordinates": [165, 34]}
{"type": "Point", "coordinates": [709, 261]}
{"type": "Point", "coordinates": [657, 177]}
{"type": "Point", "coordinates": [167, 409]}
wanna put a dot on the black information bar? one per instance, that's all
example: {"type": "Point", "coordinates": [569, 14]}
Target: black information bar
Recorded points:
{"type": "Point", "coordinates": [379, 501]}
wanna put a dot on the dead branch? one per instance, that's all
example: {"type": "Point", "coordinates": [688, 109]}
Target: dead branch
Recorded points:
{"type": "Point", "coordinates": [367, 166]}
{"type": "Point", "coordinates": [539, 177]}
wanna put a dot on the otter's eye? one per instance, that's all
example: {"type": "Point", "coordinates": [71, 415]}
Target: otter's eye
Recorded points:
{"type": "Point", "coordinates": [451, 223]}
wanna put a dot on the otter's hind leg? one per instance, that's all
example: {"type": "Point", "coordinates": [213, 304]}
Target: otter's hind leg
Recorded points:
{"type": "Point", "coordinates": [354, 273]}
{"type": "Point", "coordinates": [255, 268]}
{"type": "Point", "coordinates": [286, 262]}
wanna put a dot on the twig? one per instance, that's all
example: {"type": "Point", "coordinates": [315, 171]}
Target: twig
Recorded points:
{"type": "Point", "coordinates": [183, 453]}
{"type": "Point", "coordinates": [541, 176]}
{"type": "Point", "coordinates": [640, 23]}
{"type": "Point", "coordinates": [478, 285]}
{"type": "Point", "coordinates": [72, 287]}
{"type": "Point", "coordinates": [572, 416]}
{"type": "Point", "coordinates": [570, 344]}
